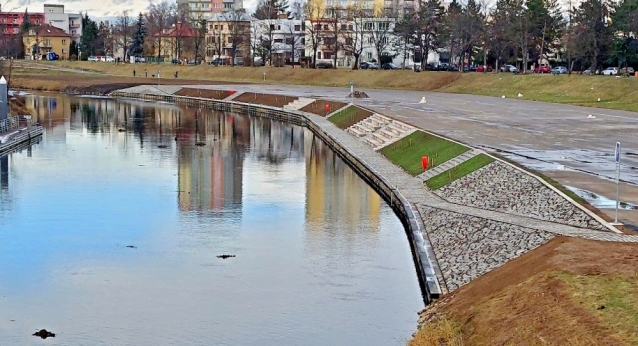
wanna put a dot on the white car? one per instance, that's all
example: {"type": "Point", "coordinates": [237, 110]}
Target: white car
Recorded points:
{"type": "Point", "coordinates": [93, 58]}
{"type": "Point", "coordinates": [109, 59]}
{"type": "Point", "coordinates": [610, 71]}
{"type": "Point", "coordinates": [509, 68]}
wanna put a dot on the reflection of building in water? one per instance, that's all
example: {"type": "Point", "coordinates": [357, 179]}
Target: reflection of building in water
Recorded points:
{"type": "Point", "coordinates": [335, 195]}
{"type": "Point", "coordinates": [4, 172]}
{"type": "Point", "coordinates": [210, 176]}
{"type": "Point", "coordinates": [274, 141]}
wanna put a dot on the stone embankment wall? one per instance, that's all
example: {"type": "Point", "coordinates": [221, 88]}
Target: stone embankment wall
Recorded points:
{"type": "Point", "coordinates": [474, 246]}
{"type": "Point", "coordinates": [501, 187]}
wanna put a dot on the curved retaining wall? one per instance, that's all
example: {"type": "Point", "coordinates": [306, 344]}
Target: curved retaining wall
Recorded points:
{"type": "Point", "coordinates": [406, 211]}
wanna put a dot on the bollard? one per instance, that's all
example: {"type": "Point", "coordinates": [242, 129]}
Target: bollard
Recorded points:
{"type": "Point", "coordinates": [424, 162]}
{"type": "Point", "coordinates": [4, 99]}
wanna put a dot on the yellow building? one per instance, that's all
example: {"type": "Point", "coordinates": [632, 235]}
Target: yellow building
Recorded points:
{"type": "Point", "coordinates": [45, 39]}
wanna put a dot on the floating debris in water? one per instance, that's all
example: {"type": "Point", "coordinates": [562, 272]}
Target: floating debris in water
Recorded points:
{"type": "Point", "coordinates": [131, 246]}
{"type": "Point", "coordinates": [162, 146]}
{"type": "Point", "coordinates": [225, 256]}
{"type": "Point", "coordinates": [200, 144]}
{"type": "Point", "coordinates": [43, 333]}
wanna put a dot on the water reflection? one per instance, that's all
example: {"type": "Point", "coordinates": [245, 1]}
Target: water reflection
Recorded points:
{"type": "Point", "coordinates": [320, 259]}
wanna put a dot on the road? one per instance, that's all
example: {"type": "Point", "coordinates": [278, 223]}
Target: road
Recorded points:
{"type": "Point", "coordinates": [563, 141]}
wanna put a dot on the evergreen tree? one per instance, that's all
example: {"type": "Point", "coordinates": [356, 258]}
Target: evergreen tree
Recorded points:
{"type": "Point", "coordinates": [26, 23]}
{"type": "Point", "coordinates": [137, 43]}
{"type": "Point", "coordinates": [89, 38]}
{"type": "Point", "coordinates": [73, 48]}
{"type": "Point", "coordinates": [592, 35]}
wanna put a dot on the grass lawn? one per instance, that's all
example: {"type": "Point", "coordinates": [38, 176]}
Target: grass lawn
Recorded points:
{"type": "Point", "coordinates": [611, 298]}
{"type": "Point", "coordinates": [465, 168]}
{"type": "Point", "coordinates": [349, 117]}
{"type": "Point", "coordinates": [615, 93]}
{"type": "Point", "coordinates": [407, 152]}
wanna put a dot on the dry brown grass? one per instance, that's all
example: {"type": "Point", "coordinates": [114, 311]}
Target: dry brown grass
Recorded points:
{"type": "Point", "coordinates": [615, 93]}
{"type": "Point", "coordinates": [551, 296]}
{"type": "Point", "coordinates": [440, 332]}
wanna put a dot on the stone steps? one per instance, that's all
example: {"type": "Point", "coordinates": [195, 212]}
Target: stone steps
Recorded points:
{"type": "Point", "coordinates": [455, 161]}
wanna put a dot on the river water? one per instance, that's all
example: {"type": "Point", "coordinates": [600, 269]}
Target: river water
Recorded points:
{"type": "Point", "coordinates": [110, 229]}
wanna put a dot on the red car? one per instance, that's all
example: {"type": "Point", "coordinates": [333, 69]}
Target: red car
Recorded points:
{"type": "Point", "coordinates": [543, 69]}
{"type": "Point", "coordinates": [483, 68]}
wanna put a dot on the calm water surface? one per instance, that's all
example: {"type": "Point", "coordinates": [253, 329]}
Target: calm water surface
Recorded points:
{"type": "Point", "coordinates": [321, 259]}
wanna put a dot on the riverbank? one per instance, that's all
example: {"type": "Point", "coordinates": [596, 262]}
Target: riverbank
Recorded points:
{"type": "Point", "coordinates": [473, 245]}
{"type": "Point", "coordinates": [567, 292]}
{"type": "Point", "coordinates": [614, 93]}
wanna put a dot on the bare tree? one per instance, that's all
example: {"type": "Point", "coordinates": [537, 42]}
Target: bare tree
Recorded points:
{"type": "Point", "coordinates": [294, 38]}
{"type": "Point", "coordinates": [198, 42]}
{"type": "Point", "coordinates": [353, 37]}
{"type": "Point", "coordinates": [380, 32]}
{"type": "Point", "coordinates": [332, 39]}
{"type": "Point", "coordinates": [124, 26]}
{"type": "Point", "coordinates": [239, 32]}
{"type": "Point", "coordinates": [159, 17]}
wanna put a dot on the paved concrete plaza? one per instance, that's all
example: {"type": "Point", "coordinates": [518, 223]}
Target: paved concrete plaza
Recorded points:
{"type": "Point", "coordinates": [561, 140]}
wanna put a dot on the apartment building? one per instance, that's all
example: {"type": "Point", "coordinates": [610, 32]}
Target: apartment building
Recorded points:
{"type": "Point", "coordinates": [228, 37]}
{"type": "Point", "coordinates": [71, 23]}
{"type": "Point", "coordinates": [285, 37]}
{"type": "Point", "coordinates": [10, 22]}
{"type": "Point", "coordinates": [206, 9]}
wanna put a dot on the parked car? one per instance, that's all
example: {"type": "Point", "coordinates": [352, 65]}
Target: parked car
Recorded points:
{"type": "Point", "coordinates": [610, 71]}
{"type": "Point", "coordinates": [543, 69]}
{"type": "Point", "coordinates": [109, 59]}
{"type": "Point", "coordinates": [627, 70]}
{"type": "Point", "coordinates": [93, 58]}
{"type": "Point", "coordinates": [389, 66]}
{"type": "Point", "coordinates": [470, 68]}
{"type": "Point", "coordinates": [323, 64]}
{"type": "Point", "coordinates": [484, 68]}
{"type": "Point", "coordinates": [139, 59]}
{"type": "Point", "coordinates": [509, 68]}
{"type": "Point", "coordinates": [175, 61]}
{"type": "Point", "coordinates": [239, 63]}
{"type": "Point", "coordinates": [218, 61]}
{"type": "Point", "coordinates": [559, 70]}
{"type": "Point", "coordinates": [373, 66]}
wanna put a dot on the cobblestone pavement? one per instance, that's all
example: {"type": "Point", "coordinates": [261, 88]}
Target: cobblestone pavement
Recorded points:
{"type": "Point", "coordinates": [501, 187]}
{"type": "Point", "coordinates": [471, 246]}
{"type": "Point", "coordinates": [490, 237]}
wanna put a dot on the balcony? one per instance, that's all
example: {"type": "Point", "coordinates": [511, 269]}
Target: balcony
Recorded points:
{"type": "Point", "coordinates": [74, 26]}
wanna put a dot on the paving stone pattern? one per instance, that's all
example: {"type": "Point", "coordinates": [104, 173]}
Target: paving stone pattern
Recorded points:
{"type": "Point", "coordinates": [501, 187]}
{"type": "Point", "coordinates": [469, 246]}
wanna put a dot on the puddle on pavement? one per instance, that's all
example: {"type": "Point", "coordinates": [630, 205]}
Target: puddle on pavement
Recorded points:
{"type": "Point", "coordinates": [601, 202]}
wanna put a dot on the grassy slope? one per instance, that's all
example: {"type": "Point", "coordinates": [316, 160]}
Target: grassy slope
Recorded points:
{"type": "Point", "coordinates": [349, 117]}
{"type": "Point", "coordinates": [459, 171]}
{"type": "Point", "coordinates": [615, 93]}
{"type": "Point", "coordinates": [551, 296]}
{"type": "Point", "coordinates": [407, 152]}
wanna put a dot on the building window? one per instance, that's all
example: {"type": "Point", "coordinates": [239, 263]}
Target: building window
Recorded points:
{"type": "Point", "coordinates": [318, 55]}
{"type": "Point", "coordinates": [63, 51]}
{"type": "Point", "coordinates": [343, 27]}
{"type": "Point", "coordinates": [369, 56]}
{"type": "Point", "coordinates": [228, 5]}
{"type": "Point", "coordinates": [297, 27]}
{"type": "Point", "coordinates": [384, 26]}
{"type": "Point", "coordinates": [47, 43]}
{"type": "Point", "coordinates": [15, 20]}
{"type": "Point", "coordinates": [367, 26]}
{"type": "Point", "coordinates": [64, 43]}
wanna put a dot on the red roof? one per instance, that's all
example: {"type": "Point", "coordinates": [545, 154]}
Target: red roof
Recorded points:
{"type": "Point", "coordinates": [179, 30]}
{"type": "Point", "coordinates": [48, 30]}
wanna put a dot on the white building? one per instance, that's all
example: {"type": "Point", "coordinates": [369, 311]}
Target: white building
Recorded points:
{"type": "Point", "coordinates": [285, 37]}
{"type": "Point", "coordinates": [374, 38]}
{"type": "Point", "coordinates": [71, 23]}
{"type": "Point", "coordinates": [206, 9]}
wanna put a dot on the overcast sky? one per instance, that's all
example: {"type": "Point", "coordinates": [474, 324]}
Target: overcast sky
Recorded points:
{"type": "Point", "coordinates": [97, 8]}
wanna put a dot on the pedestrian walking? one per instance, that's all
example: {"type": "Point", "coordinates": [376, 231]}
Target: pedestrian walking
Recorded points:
{"type": "Point", "coordinates": [175, 74]}
{"type": "Point", "coordinates": [145, 73]}
{"type": "Point", "coordinates": [133, 73]}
